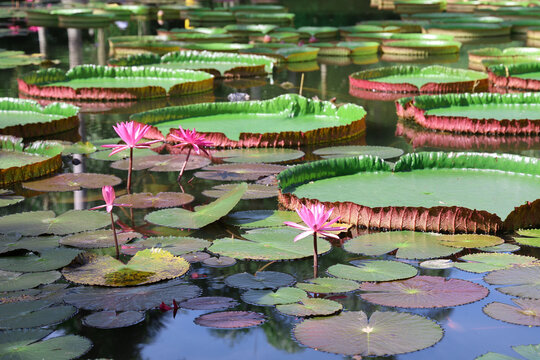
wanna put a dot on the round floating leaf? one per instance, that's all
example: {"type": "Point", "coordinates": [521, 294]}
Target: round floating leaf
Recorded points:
{"type": "Point", "coordinates": [373, 270]}
{"type": "Point", "coordinates": [79, 148]}
{"type": "Point", "coordinates": [195, 257]}
{"type": "Point", "coordinates": [112, 319]}
{"type": "Point", "coordinates": [104, 155]}
{"type": "Point", "coordinates": [39, 243]}
{"type": "Point", "coordinates": [72, 182]}
{"type": "Point", "coordinates": [34, 223]}
{"type": "Point", "coordinates": [328, 285]}
{"type": "Point", "coordinates": [44, 261]}
{"type": "Point", "coordinates": [384, 152]}
{"type": "Point", "coordinates": [202, 216]}
{"type": "Point", "coordinates": [262, 218]}
{"type": "Point", "coordinates": [21, 345]}
{"type": "Point", "coordinates": [524, 281]}
{"type": "Point", "coordinates": [97, 239]}
{"type": "Point", "coordinates": [529, 352]}
{"type": "Point", "coordinates": [269, 244]}
{"type": "Point", "coordinates": [7, 198]}
{"type": "Point", "coordinates": [160, 200]}
{"type": "Point", "coordinates": [530, 232]}
{"type": "Point", "coordinates": [259, 155]}
{"type": "Point", "coordinates": [50, 294]}
{"type": "Point", "coordinates": [13, 281]}
{"type": "Point", "coordinates": [254, 191]}
{"type": "Point", "coordinates": [526, 312]}
{"type": "Point", "coordinates": [230, 319]}
{"type": "Point", "coordinates": [469, 241]}
{"type": "Point", "coordinates": [311, 307]}
{"type": "Point", "coordinates": [222, 261]}
{"type": "Point", "coordinates": [261, 280]}
{"type": "Point", "coordinates": [26, 315]}
{"type": "Point", "coordinates": [130, 298]}
{"type": "Point", "coordinates": [352, 333]}
{"type": "Point", "coordinates": [479, 263]}
{"type": "Point", "coordinates": [423, 292]}
{"type": "Point", "coordinates": [528, 241]}
{"type": "Point", "coordinates": [176, 245]}
{"type": "Point", "coordinates": [284, 295]}
{"type": "Point", "coordinates": [409, 245]}
{"type": "Point", "coordinates": [209, 303]}
{"type": "Point", "coordinates": [162, 163]}
{"type": "Point", "coordinates": [437, 264]}
{"type": "Point", "coordinates": [238, 172]}
{"type": "Point", "coordinates": [500, 248]}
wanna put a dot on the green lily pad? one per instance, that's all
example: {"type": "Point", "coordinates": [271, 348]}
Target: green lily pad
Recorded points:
{"type": "Point", "coordinates": [162, 163]}
{"type": "Point", "coordinates": [222, 261]}
{"type": "Point", "coordinates": [352, 333]}
{"type": "Point", "coordinates": [97, 239]}
{"type": "Point", "coordinates": [311, 307]}
{"type": "Point", "coordinates": [72, 182]}
{"type": "Point", "coordinates": [409, 245]}
{"type": "Point", "coordinates": [530, 232]}
{"type": "Point", "coordinates": [529, 352]}
{"type": "Point", "coordinates": [423, 292]}
{"type": "Point", "coordinates": [209, 303]}
{"type": "Point", "coordinates": [269, 244]}
{"type": "Point", "coordinates": [112, 319]}
{"type": "Point", "coordinates": [238, 172]}
{"type": "Point", "coordinates": [38, 243]}
{"type": "Point", "coordinates": [136, 298]}
{"type": "Point", "coordinates": [124, 154]}
{"type": "Point", "coordinates": [160, 200]}
{"type": "Point", "coordinates": [79, 148]}
{"type": "Point", "coordinates": [524, 281]}
{"type": "Point", "coordinates": [230, 319]}
{"type": "Point", "coordinates": [437, 264]}
{"type": "Point", "coordinates": [22, 345]}
{"type": "Point", "coordinates": [500, 248]}
{"type": "Point", "coordinates": [525, 312]}
{"type": "Point", "coordinates": [469, 241]}
{"type": "Point", "coordinates": [479, 263]}
{"type": "Point", "coordinates": [176, 245]}
{"type": "Point", "coordinates": [203, 214]}
{"type": "Point", "coordinates": [384, 152]}
{"type": "Point", "coordinates": [265, 155]}
{"type": "Point", "coordinates": [46, 222]}
{"type": "Point", "coordinates": [33, 314]}
{"type": "Point", "coordinates": [13, 281]}
{"type": "Point", "coordinates": [328, 285]}
{"type": "Point", "coordinates": [373, 270]}
{"type": "Point", "coordinates": [532, 237]}
{"type": "Point", "coordinates": [262, 218]}
{"type": "Point", "coordinates": [254, 191]}
{"type": "Point", "coordinates": [45, 260]}
{"type": "Point", "coordinates": [261, 280]}
{"type": "Point", "coordinates": [146, 267]}
{"type": "Point", "coordinates": [7, 198]}
{"type": "Point", "coordinates": [284, 295]}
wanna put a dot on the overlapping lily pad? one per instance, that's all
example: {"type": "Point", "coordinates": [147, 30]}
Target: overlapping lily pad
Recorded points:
{"type": "Point", "coordinates": [384, 152]}
{"type": "Point", "coordinates": [45, 260]}
{"type": "Point", "coordinates": [478, 56]}
{"type": "Point", "coordinates": [523, 76]}
{"type": "Point", "coordinates": [254, 191]}
{"type": "Point", "coordinates": [230, 319]}
{"type": "Point", "coordinates": [97, 239]}
{"type": "Point", "coordinates": [259, 280]}
{"type": "Point", "coordinates": [258, 155]}
{"type": "Point", "coordinates": [482, 262]}
{"type": "Point", "coordinates": [523, 281]}
{"type": "Point", "coordinates": [373, 270]}
{"type": "Point", "coordinates": [31, 314]}
{"type": "Point", "coordinates": [14, 281]}
{"type": "Point", "coordinates": [112, 319]}
{"type": "Point", "coordinates": [284, 295]}
{"type": "Point", "coordinates": [72, 182]}
{"type": "Point", "coordinates": [174, 244]}
{"type": "Point", "coordinates": [38, 243]}
{"type": "Point", "coordinates": [524, 312]}
{"type": "Point", "coordinates": [311, 307]}
{"type": "Point", "coordinates": [327, 285]}
{"type": "Point", "coordinates": [159, 200]}
{"type": "Point", "coordinates": [239, 172]}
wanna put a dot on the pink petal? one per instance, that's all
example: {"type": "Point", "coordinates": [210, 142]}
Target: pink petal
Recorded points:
{"type": "Point", "coordinates": [303, 235]}
{"type": "Point", "coordinates": [328, 235]}
{"type": "Point", "coordinates": [98, 207]}
{"type": "Point", "coordinates": [296, 226]}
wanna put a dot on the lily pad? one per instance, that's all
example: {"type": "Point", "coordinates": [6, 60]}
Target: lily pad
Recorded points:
{"type": "Point", "coordinates": [352, 333]}
{"type": "Point", "coordinates": [262, 218]}
{"type": "Point", "coordinates": [124, 154]}
{"type": "Point", "coordinates": [529, 232]}
{"type": "Point", "coordinates": [254, 191]}
{"type": "Point", "coordinates": [176, 245]}
{"type": "Point", "coordinates": [482, 262]}
{"type": "Point", "coordinates": [8, 198]}
{"type": "Point", "coordinates": [269, 155]}
{"type": "Point", "coordinates": [423, 292]}
{"type": "Point", "coordinates": [529, 352]}
{"type": "Point", "coordinates": [261, 280]}
{"type": "Point", "coordinates": [203, 214]}
{"type": "Point", "coordinates": [524, 281]}
{"type": "Point", "coordinates": [311, 307]}
{"type": "Point", "coordinates": [22, 345]}
{"type": "Point", "coordinates": [160, 200]}
{"type": "Point", "coordinates": [532, 237]}
{"type": "Point", "coordinates": [421, 47]}
{"type": "Point", "coordinates": [284, 295]}
{"type": "Point", "coordinates": [72, 182]}
{"type": "Point", "coordinates": [195, 257]}
{"type": "Point", "coordinates": [328, 285]}
{"type": "Point", "coordinates": [222, 261]}
{"type": "Point", "coordinates": [13, 281]}
{"type": "Point", "coordinates": [209, 303]}
{"type": "Point", "coordinates": [384, 152]}
{"type": "Point", "coordinates": [112, 319]}
{"type": "Point", "coordinates": [230, 319]}
{"type": "Point", "coordinates": [238, 172]}
{"type": "Point", "coordinates": [469, 241]}
{"type": "Point", "coordinates": [97, 239]}
{"type": "Point", "coordinates": [373, 270]}
{"type": "Point", "coordinates": [146, 267]}
{"type": "Point", "coordinates": [524, 312]}
{"type": "Point", "coordinates": [162, 163]}
{"type": "Point", "coordinates": [500, 248]}
{"type": "Point", "coordinates": [33, 314]}
{"type": "Point", "coordinates": [45, 260]}
{"type": "Point", "coordinates": [38, 243]}
{"type": "Point", "coordinates": [437, 264]}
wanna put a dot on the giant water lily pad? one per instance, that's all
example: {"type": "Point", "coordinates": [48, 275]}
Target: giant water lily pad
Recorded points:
{"type": "Point", "coordinates": [262, 218]}
{"type": "Point", "coordinates": [19, 344]}
{"type": "Point", "coordinates": [468, 241]}
{"type": "Point", "coordinates": [45, 260]}
{"type": "Point", "coordinates": [269, 244]}
{"type": "Point", "coordinates": [478, 56]}
{"type": "Point", "coordinates": [176, 245]}
{"type": "Point", "coordinates": [353, 333]}
{"type": "Point", "coordinates": [162, 163]}
{"type": "Point", "coordinates": [254, 191]}
{"type": "Point", "coordinates": [421, 47]}
{"type": "Point", "coordinates": [260, 280]}
{"type": "Point", "coordinates": [384, 152]}
{"type": "Point", "coordinates": [523, 76]}
{"type": "Point", "coordinates": [311, 307]}
{"type": "Point", "coordinates": [146, 267]}
{"type": "Point", "coordinates": [529, 352]}
{"type": "Point", "coordinates": [426, 191]}
{"type": "Point", "coordinates": [130, 298]}
{"type": "Point", "coordinates": [33, 314]}
{"type": "Point", "coordinates": [524, 312]}
{"type": "Point", "coordinates": [203, 214]}
{"type": "Point", "coordinates": [284, 295]}
{"type": "Point", "coordinates": [328, 285]}
{"type": "Point", "coordinates": [97, 239]}
{"type": "Point", "coordinates": [373, 270]}
{"type": "Point", "coordinates": [524, 281]}
{"type": "Point", "coordinates": [13, 281]}
{"type": "Point", "coordinates": [72, 182]}
{"type": "Point", "coordinates": [102, 83]}
{"type": "Point", "coordinates": [532, 237]}
{"type": "Point", "coordinates": [230, 319]}
{"type": "Point", "coordinates": [45, 222]}
{"type": "Point", "coordinates": [347, 48]}
{"type": "Point", "coordinates": [112, 319]}
{"type": "Point", "coordinates": [258, 155]}
{"type": "Point", "coordinates": [285, 121]}
{"type": "Point", "coordinates": [423, 292]}
{"type": "Point", "coordinates": [159, 200]}
{"type": "Point", "coordinates": [239, 172]}
{"type": "Point", "coordinates": [482, 262]}
{"type": "Point", "coordinates": [12, 242]}
{"type": "Point", "coordinates": [470, 30]}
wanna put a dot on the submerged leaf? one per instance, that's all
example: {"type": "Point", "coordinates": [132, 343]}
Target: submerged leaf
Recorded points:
{"type": "Point", "coordinates": [230, 319]}
{"type": "Point", "coordinates": [373, 270]}
{"type": "Point", "coordinates": [222, 261]}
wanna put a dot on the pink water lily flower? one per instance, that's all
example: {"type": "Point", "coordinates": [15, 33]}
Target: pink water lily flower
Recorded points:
{"type": "Point", "coordinates": [192, 139]}
{"type": "Point", "coordinates": [315, 217]}
{"type": "Point", "coordinates": [131, 133]}
{"type": "Point", "coordinates": [109, 196]}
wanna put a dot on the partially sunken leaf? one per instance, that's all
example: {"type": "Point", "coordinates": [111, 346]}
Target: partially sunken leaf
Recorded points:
{"type": "Point", "coordinates": [230, 319]}
{"type": "Point", "coordinates": [238, 172]}
{"type": "Point", "coordinates": [529, 352]}
{"type": "Point", "coordinates": [112, 319]}
{"type": "Point", "coordinates": [311, 307]}
{"type": "Point", "coordinates": [13, 281]}
{"type": "Point", "coordinates": [254, 191]}
{"type": "Point", "coordinates": [261, 280]}
{"type": "Point", "coordinates": [479, 263]}
{"type": "Point", "coordinates": [525, 312]}
{"type": "Point", "coordinates": [97, 239]}
{"type": "Point", "coordinates": [43, 261]}
{"type": "Point", "coordinates": [209, 303]}
{"type": "Point", "coordinates": [328, 285]}
{"type": "Point", "coordinates": [38, 243]}
{"type": "Point", "coordinates": [222, 261]}
{"type": "Point", "coordinates": [162, 163]}
{"type": "Point", "coordinates": [146, 267]}
{"type": "Point", "coordinates": [130, 298]}
{"type": "Point", "coordinates": [19, 345]}
{"type": "Point", "coordinates": [352, 333]}
{"type": "Point", "coordinates": [285, 295]}
{"type": "Point", "coordinates": [384, 152]}
{"type": "Point", "coordinates": [524, 281]}
{"type": "Point", "coordinates": [255, 155]}
{"type": "Point", "coordinates": [423, 292]}
{"type": "Point", "coordinates": [409, 245]}
{"type": "Point", "coordinates": [72, 182]}
{"type": "Point", "coordinates": [373, 270]}
{"type": "Point", "coordinates": [269, 244]}
{"type": "Point", "coordinates": [160, 200]}
{"type": "Point", "coordinates": [202, 216]}
{"type": "Point", "coordinates": [176, 245]}
{"type": "Point", "coordinates": [262, 218]}
{"type": "Point", "coordinates": [27, 315]}
{"type": "Point", "coordinates": [500, 248]}
{"type": "Point", "coordinates": [469, 241]}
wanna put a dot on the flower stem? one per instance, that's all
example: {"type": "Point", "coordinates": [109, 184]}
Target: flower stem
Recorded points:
{"type": "Point", "coordinates": [115, 238]}
{"type": "Point", "coordinates": [183, 166]}
{"type": "Point", "coordinates": [130, 170]}
{"type": "Point", "coordinates": [315, 255]}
